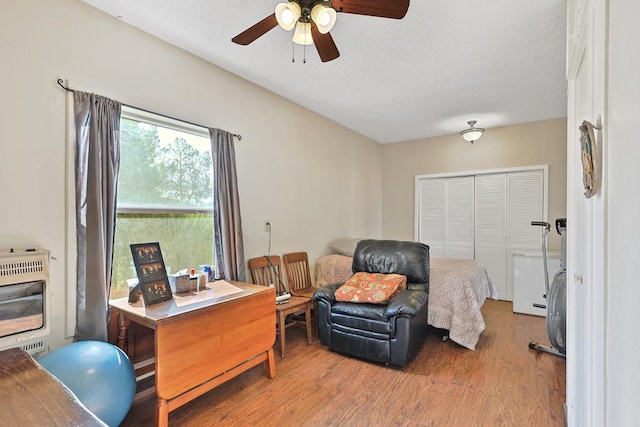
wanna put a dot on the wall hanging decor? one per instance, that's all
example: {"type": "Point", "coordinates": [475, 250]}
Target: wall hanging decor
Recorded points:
{"type": "Point", "coordinates": [589, 154]}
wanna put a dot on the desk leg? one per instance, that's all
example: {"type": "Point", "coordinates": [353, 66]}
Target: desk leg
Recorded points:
{"type": "Point", "coordinates": [281, 331]}
{"type": "Point", "coordinates": [162, 413]}
{"type": "Point", "coordinates": [270, 364]}
{"type": "Point", "coordinates": [122, 332]}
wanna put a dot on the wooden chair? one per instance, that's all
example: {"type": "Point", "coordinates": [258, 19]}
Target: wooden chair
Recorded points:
{"type": "Point", "coordinates": [266, 271]}
{"type": "Point", "coordinates": [296, 265]}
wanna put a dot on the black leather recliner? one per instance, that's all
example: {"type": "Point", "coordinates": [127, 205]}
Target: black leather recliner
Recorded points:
{"type": "Point", "coordinates": [391, 333]}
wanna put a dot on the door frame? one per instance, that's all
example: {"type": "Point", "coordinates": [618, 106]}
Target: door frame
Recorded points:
{"type": "Point", "coordinates": [586, 243]}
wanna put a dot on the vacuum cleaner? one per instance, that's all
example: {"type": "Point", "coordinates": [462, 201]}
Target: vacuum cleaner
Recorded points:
{"type": "Point", "coordinates": [555, 294]}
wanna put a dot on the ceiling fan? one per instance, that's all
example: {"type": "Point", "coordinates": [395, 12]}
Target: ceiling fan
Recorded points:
{"type": "Point", "coordinates": [313, 19]}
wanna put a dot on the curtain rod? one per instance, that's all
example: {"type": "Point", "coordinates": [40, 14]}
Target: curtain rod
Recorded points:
{"type": "Point", "coordinates": [237, 135]}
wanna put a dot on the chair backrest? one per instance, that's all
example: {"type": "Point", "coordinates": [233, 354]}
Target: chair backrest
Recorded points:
{"type": "Point", "coordinates": [410, 259]}
{"type": "Point", "coordinates": [296, 265]}
{"type": "Point", "coordinates": [266, 273]}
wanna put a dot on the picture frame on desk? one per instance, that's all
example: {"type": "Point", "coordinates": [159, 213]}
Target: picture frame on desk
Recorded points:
{"type": "Point", "coordinates": [152, 274]}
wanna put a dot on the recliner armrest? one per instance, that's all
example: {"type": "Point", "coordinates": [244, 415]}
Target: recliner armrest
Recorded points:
{"type": "Point", "coordinates": [327, 292]}
{"type": "Point", "coordinates": [406, 303]}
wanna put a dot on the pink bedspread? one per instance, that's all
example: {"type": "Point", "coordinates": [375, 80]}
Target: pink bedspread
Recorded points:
{"type": "Point", "coordinates": [333, 269]}
{"type": "Point", "coordinates": [457, 290]}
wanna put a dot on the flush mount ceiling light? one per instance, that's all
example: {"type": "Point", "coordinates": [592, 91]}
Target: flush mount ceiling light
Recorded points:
{"type": "Point", "coordinates": [473, 133]}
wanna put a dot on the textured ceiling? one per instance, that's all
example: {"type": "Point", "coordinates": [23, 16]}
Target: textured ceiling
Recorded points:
{"type": "Point", "coordinates": [500, 62]}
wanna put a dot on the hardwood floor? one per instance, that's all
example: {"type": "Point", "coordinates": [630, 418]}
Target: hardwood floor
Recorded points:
{"type": "Point", "coordinates": [502, 383]}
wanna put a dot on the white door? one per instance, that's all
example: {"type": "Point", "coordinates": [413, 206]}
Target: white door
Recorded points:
{"type": "Point", "coordinates": [484, 216]}
{"type": "Point", "coordinates": [431, 215]}
{"type": "Point", "coordinates": [459, 235]}
{"type": "Point", "coordinates": [585, 218]}
{"type": "Point", "coordinates": [446, 216]}
{"type": "Point", "coordinates": [506, 203]}
{"type": "Point", "coordinates": [525, 203]}
{"type": "Point", "coordinates": [491, 230]}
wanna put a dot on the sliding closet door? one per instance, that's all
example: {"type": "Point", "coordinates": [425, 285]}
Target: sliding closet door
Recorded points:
{"type": "Point", "coordinates": [459, 227]}
{"type": "Point", "coordinates": [491, 228]}
{"type": "Point", "coordinates": [525, 204]}
{"type": "Point", "coordinates": [445, 210]}
{"type": "Point", "coordinates": [486, 217]}
{"type": "Point", "coordinates": [431, 215]}
{"type": "Point", "coordinates": [506, 203]}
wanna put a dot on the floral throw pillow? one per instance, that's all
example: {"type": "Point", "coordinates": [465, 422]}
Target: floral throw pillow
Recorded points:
{"type": "Point", "coordinates": [372, 288]}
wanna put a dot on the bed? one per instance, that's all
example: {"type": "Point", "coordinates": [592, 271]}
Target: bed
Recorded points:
{"type": "Point", "coordinates": [457, 290]}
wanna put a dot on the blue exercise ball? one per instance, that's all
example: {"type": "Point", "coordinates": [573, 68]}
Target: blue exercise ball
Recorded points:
{"type": "Point", "coordinates": [98, 373]}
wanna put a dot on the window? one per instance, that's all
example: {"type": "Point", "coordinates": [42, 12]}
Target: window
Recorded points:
{"type": "Point", "coordinates": [164, 194]}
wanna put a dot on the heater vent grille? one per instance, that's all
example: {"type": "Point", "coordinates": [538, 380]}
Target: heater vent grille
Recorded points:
{"type": "Point", "coordinates": [36, 347]}
{"type": "Point", "coordinates": [21, 268]}
{"type": "Point", "coordinates": [24, 266]}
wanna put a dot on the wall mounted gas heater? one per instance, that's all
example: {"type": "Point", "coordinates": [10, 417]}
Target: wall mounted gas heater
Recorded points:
{"type": "Point", "coordinates": [25, 302]}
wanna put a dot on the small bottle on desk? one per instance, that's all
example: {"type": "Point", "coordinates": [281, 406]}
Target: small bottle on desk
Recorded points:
{"type": "Point", "coordinates": [193, 279]}
{"type": "Point", "coordinates": [208, 272]}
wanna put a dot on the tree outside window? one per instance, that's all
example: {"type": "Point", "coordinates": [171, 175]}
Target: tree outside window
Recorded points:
{"type": "Point", "coordinates": [164, 195]}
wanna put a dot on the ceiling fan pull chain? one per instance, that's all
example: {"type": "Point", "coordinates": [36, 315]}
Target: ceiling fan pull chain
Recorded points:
{"type": "Point", "coordinates": [293, 52]}
{"type": "Point", "coordinates": [304, 48]}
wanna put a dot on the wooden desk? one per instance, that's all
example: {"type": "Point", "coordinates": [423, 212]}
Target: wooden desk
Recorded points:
{"type": "Point", "coordinates": [204, 339]}
{"type": "Point", "coordinates": [31, 396]}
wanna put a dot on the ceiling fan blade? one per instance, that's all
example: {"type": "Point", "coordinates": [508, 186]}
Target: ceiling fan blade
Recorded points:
{"type": "Point", "coordinates": [324, 44]}
{"type": "Point", "coordinates": [396, 9]}
{"type": "Point", "coordinates": [252, 33]}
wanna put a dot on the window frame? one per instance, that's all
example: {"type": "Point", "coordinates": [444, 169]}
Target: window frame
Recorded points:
{"type": "Point", "coordinates": [148, 117]}
{"type": "Point", "coordinates": [159, 120]}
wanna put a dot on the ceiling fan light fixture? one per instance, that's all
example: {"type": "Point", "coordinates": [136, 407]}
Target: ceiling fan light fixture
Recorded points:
{"type": "Point", "coordinates": [287, 14]}
{"type": "Point", "coordinates": [473, 133]}
{"type": "Point", "coordinates": [302, 35]}
{"type": "Point", "coordinates": [324, 16]}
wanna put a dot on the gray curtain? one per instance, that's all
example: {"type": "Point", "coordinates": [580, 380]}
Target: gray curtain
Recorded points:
{"type": "Point", "coordinates": [97, 162]}
{"type": "Point", "coordinates": [227, 226]}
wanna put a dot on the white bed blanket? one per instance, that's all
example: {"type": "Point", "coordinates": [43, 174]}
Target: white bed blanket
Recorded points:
{"type": "Point", "coordinates": [457, 290]}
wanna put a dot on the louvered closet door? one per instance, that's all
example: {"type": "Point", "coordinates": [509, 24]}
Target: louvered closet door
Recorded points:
{"type": "Point", "coordinates": [431, 210]}
{"type": "Point", "coordinates": [491, 229]}
{"type": "Point", "coordinates": [486, 218]}
{"type": "Point", "coordinates": [459, 227]}
{"type": "Point", "coordinates": [506, 203]}
{"type": "Point", "coordinates": [525, 205]}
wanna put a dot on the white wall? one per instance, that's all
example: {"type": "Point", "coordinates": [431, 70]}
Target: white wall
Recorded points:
{"type": "Point", "coordinates": [622, 305]}
{"type": "Point", "coordinates": [316, 182]}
